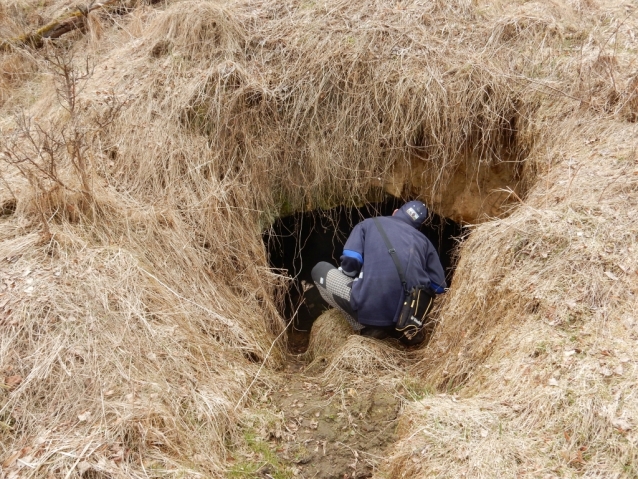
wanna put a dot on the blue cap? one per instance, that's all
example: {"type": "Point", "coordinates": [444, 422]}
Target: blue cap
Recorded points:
{"type": "Point", "coordinates": [415, 211]}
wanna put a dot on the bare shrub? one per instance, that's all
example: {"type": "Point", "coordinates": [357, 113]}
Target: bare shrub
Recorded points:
{"type": "Point", "coordinates": [54, 156]}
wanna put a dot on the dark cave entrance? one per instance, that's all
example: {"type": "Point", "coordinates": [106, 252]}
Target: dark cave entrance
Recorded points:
{"type": "Point", "coordinates": [297, 242]}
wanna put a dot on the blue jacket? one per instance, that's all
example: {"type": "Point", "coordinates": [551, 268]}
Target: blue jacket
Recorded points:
{"type": "Point", "coordinates": [377, 293]}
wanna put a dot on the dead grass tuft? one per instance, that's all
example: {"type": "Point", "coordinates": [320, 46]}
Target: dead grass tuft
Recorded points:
{"type": "Point", "coordinates": [365, 357]}
{"type": "Point", "coordinates": [329, 331]}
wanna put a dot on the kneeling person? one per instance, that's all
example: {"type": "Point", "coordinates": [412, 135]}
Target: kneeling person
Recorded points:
{"type": "Point", "coordinates": [368, 287]}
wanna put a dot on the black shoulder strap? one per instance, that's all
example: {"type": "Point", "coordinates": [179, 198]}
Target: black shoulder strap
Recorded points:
{"type": "Point", "coordinates": [393, 254]}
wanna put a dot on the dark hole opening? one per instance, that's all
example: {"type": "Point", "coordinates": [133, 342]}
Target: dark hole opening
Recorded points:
{"type": "Point", "coordinates": [297, 242]}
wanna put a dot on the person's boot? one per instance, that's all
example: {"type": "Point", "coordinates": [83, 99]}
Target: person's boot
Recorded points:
{"type": "Point", "coordinates": [418, 338]}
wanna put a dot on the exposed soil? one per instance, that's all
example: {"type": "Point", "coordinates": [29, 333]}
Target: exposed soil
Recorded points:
{"type": "Point", "coordinates": [330, 432]}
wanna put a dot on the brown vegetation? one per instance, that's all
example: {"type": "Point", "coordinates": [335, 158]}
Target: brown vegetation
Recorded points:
{"type": "Point", "coordinates": [137, 310]}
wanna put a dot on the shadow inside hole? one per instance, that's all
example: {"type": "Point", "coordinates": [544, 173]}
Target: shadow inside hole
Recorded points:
{"type": "Point", "coordinates": [296, 243]}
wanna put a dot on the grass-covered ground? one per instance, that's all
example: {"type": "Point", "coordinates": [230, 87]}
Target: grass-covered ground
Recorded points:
{"type": "Point", "coordinates": [143, 155]}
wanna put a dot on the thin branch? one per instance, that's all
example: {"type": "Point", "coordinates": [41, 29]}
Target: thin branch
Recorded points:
{"type": "Point", "coordinates": [57, 28]}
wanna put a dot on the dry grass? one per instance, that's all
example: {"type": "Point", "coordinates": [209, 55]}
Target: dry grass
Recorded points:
{"type": "Point", "coordinates": [329, 331]}
{"type": "Point", "coordinates": [134, 320]}
{"type": "Point", "coordinates": [539, 326]}
{"type": "Point", "coordinates": [18, 66]}
{"type": "Point", "coordinates": [366, 359]}
{"type": "Point", "coordinates": [94, 326]}
{"type": "Point", "coordinates": [295, 124]}
{"type": "Point", "coordinates": [344, 358]}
